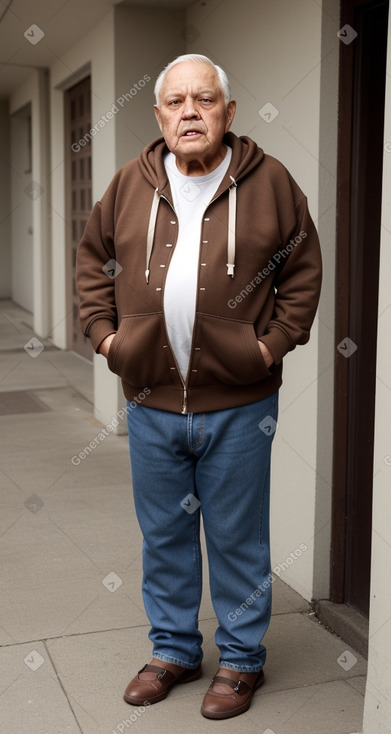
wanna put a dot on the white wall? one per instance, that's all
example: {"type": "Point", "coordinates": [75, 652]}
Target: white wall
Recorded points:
{"type": "Point", "coordinates": [5, 201]}
{"type": "Point", "coordinates": [327, 197]}
{"type": "Point", "coordinates": [22, 211]}
{"type": "Point", "coordinates": [146, 39]}
{"type": "Point", "coordinates": [95, 55]}
{"type": "Point", "coordinates": [30, 252]}
{"type": "Point", "coordinates": [272, 53]}
{"type": "Point", "coordinates": [377, 719]}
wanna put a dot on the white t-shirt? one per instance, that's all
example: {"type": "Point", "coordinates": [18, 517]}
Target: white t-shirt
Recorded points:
{"type": "Point", "coordinates": [191, 196]}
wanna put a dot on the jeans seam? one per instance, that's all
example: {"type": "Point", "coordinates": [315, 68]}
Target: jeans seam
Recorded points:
{"type": "Point", "coordinates": [197, 553]}
{"type": "Point", "coordinates": [175, 661]}
{"type": "Point", "coordinates": [189, 430]}
{"type": "Point", "coordinates": [202, 432]}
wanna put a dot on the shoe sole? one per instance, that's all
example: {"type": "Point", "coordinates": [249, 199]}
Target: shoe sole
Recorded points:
{"type": "Point", "coordinates": [135, 701]}
{"type": "Point", "coordinates": [234, 712]}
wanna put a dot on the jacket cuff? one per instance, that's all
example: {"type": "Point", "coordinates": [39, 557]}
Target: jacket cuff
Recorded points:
{"type": "Point", "coordinates": [277, 343]}
{"type": "Point", "coordinates": [99, 329]}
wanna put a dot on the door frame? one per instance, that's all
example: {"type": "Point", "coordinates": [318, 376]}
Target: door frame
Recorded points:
{"type": "Point", "coordinates": [343, 317]}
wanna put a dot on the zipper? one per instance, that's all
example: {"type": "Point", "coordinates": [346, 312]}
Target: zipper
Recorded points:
{"type": "Point", "coordinates": [184, 402]}
{"type": "Point", "coordinates": [184, 383]}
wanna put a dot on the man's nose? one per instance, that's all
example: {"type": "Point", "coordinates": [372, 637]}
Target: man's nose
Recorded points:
{"type": "Point", "coordinates": [189, 109]}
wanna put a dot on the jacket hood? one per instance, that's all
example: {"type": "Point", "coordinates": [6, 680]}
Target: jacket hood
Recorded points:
{"type": "Point", "coordinates": [246, 155]}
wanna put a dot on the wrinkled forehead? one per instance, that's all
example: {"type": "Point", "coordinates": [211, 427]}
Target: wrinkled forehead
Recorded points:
{"type": "Point", "coordinates": [190, 77]}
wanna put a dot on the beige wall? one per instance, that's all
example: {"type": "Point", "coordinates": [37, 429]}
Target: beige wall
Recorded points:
{"type": "Point", "coordinates": [327, 181]}
{"type": "Point", "coordinates": [31, 252]}
{"type": "Point", "coordinates": [145, 40]}
{"type": "Point", "coordinates": [5, 201]}
{"type": "Point", "coordinates": [94, 55]}
{"type": "Point", "coordinates": [273, 53]}
{"type": "Point", "coordinates": [377, 718]}
{"type": "Point", "coordinates": [22, 284]}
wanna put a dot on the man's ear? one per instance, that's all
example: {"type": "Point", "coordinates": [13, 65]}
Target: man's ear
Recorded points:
{"type": "Point", "coordinates": [231, 109]}
{"type": "Point", "coordinates": [157, 115]}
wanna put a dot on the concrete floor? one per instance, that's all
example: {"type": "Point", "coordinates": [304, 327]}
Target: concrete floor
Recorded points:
{"type": "Point", "coordinates": [73, 629]}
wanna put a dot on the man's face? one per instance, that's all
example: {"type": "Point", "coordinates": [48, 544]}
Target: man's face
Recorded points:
{"type": "Point", "coordinates": [192, 115]}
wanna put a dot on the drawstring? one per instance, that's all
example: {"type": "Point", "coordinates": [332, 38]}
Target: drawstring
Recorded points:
{"type": "Point", "coordinates": [151, 230]}
{"type": "Point", "coordinates": [231, 227]}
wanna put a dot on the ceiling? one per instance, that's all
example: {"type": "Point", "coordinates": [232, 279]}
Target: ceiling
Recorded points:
{"type": "Point", "coordinates": [64, 23]}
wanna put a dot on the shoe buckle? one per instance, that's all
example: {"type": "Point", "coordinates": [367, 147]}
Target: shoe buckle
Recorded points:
{"type": "Point", "coordinates": [162, 674]}
{"type": "Point", "coordinates": [239, 683]}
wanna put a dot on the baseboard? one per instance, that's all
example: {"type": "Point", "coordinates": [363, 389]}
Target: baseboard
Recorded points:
{"type": "Point", "coordinates": [346, 622]}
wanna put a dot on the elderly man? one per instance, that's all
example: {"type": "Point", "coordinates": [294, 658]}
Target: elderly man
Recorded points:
{"type": "Point", "coordinates": [217, 276]}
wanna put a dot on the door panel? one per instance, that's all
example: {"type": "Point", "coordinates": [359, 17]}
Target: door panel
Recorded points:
{"type": "Point", "coordinates": [361, 120]}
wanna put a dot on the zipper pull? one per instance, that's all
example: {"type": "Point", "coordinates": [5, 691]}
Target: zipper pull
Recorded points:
{"type": "Point", "coordinates": [184, 403]}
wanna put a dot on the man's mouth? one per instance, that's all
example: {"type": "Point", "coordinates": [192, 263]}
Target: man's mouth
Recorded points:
{"type": "Point", "coordinates": [190, 133]}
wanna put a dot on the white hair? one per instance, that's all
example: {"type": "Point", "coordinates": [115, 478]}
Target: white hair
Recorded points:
{"type": "Point", "coordinates": [196, 58]}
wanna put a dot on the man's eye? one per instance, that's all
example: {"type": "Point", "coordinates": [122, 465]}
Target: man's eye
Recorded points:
{"type": "Point", "coordinates": [205, 99]}
{"type": "Point", "coordinates": [174, 102]}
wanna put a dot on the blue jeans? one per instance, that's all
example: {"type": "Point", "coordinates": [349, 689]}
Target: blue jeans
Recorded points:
{"type": "Point", "coordinates": [217, 464]}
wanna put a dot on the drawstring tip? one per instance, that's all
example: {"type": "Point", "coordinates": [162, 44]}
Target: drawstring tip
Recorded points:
{"type": "Point", "coordinates": [230, 269]}
{"type": "Point", "coordinates": [147, 276]}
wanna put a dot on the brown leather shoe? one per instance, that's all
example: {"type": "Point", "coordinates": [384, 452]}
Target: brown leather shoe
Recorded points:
{"type": "Point", "coordinates": [152, 683]}
{"type": "Point", "coordinates": [218, 705]}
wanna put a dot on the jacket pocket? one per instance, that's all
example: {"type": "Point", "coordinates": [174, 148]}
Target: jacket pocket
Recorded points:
{"type": "Point", "coordinates": [136, 353]}
{"type": "Point", "coordinates": [227, 352]}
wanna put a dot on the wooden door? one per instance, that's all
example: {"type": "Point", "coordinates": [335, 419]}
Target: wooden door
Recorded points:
{"type": "Point", "coordinates": [361, 122]}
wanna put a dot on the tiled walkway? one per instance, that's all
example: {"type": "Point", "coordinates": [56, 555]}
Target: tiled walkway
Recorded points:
{"type": "Point", "coordinates": [73, 629]}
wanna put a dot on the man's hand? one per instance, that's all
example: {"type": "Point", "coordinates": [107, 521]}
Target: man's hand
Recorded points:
{"type": "Point", "coordinates": [266, 354]}
{"type": "Point", "coordinates": [105, 345]}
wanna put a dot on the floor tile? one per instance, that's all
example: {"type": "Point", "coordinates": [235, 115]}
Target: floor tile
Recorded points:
{"type": "Point", "coordinates": [32, 699]}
